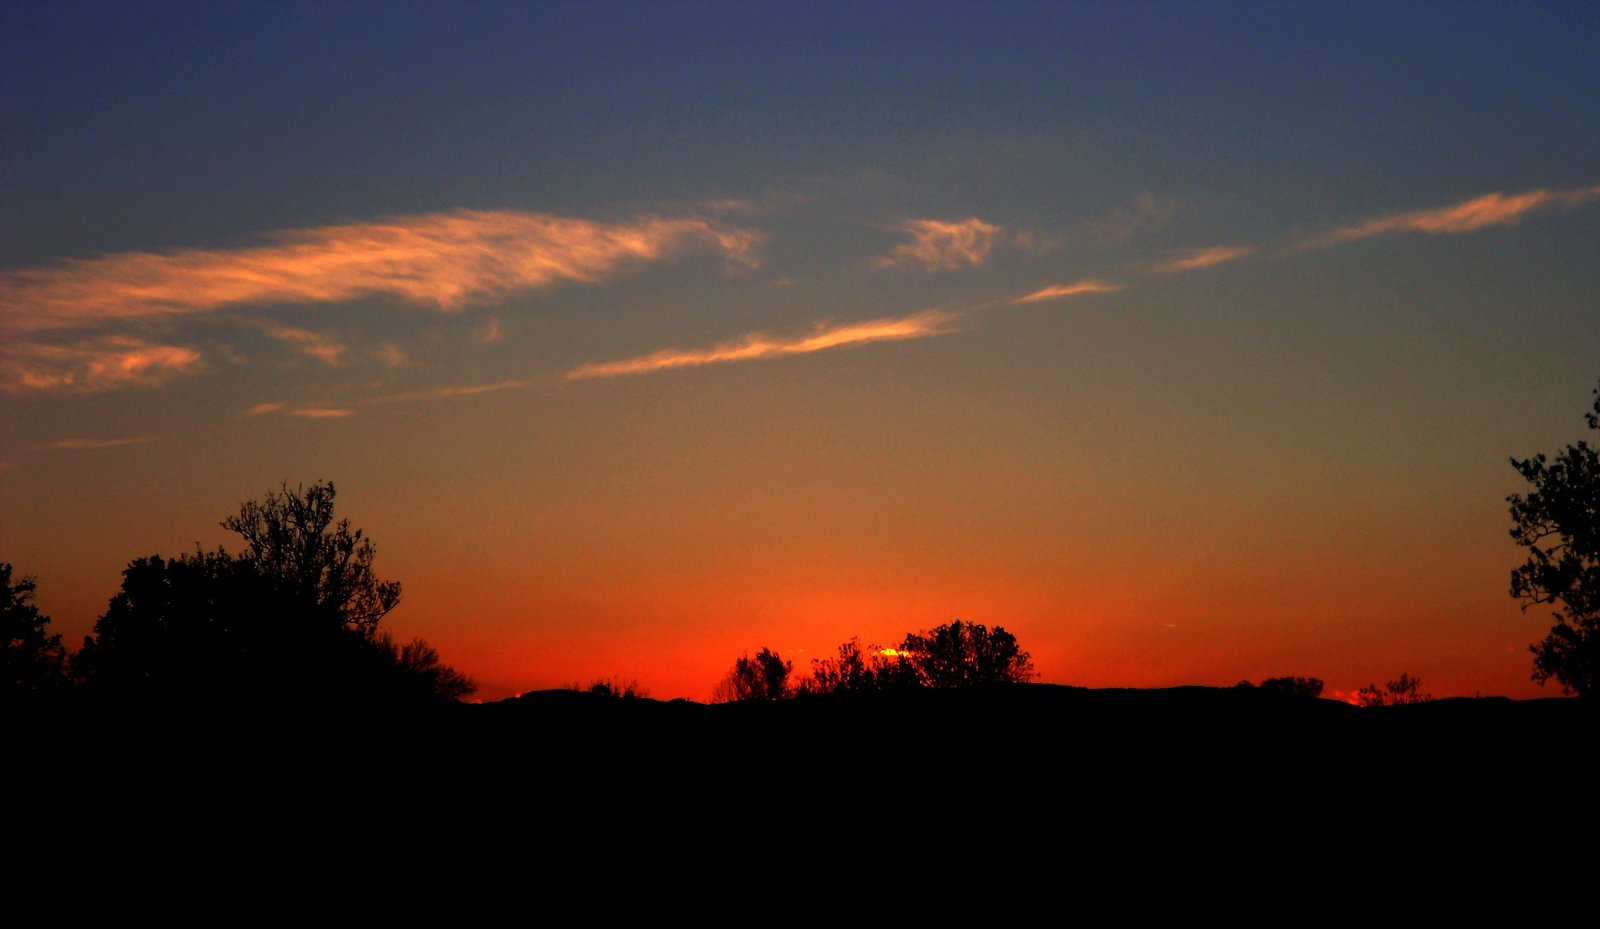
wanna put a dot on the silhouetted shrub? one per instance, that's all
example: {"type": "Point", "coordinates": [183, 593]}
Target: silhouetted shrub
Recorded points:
{"type": "Point", "coordinates": [616, 689]}
{"type": "Point", "coordinates": [1293, 686]}
{"type": "Point", "coordinates": [764, 677]}
{"type": "Point", "coordinates": [1403, 689]}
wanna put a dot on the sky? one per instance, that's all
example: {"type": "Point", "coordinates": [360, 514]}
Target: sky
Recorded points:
{"type": "Point", "coordinates": [1188, 342]}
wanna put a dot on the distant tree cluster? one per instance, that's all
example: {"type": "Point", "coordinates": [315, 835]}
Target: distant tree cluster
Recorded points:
{"type": "Point", "coordinates": [858, 669]}
{"type": "Point", "coordinates": [294, 618]}
{"type": "Point", "coordinates": [615, 688]}
{"type": "Point", "coordinates": [954, 655]}
{"type": "Point", "coordinates": [1402, 690]}
{"type": "Point", "coordinates": [1287, 686]}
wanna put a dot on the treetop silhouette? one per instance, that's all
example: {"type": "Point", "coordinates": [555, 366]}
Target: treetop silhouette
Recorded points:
{"type": "Point", "coordinates": [861, 670]}
{"type": "Point", "coordinates": [1558, 522]}
{"type": "Point", "coordinates": [959, 655]}
{"type": "Point", "coordinates": [294, 617]}
{"type": "Point", "coordinates": [764, 677]}
{"type": "Point", "coordinates": [1398, 692]}
{"type": "Point", "coordinates": [291, 539]}
{"type": "Point", "coordinates": [31, 659]}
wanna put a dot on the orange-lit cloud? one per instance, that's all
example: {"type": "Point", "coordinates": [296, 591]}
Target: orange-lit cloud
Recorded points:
{"type": "Point", "coordinates": [392, 355]}
{"type": "Point", "coordinates": [69, 444]}
{"type": "Point", "coordinates": [941, 246]}
{"type": "Point", "coordinates": [465, 390]}
{"type": "Point", "coordinates": [1494, 209]}
{"type": "Point", "coordinates": [1058, 291]}
{"type": "Point", "coordinates": [324, 348]}
{"type": "Point", "coordinates": [759, 345]}
{"type": "Point", "coordinates": [472, 390]}
{"type": "Point", "coordinates": [304, 412]}
{"type": "Point", "coordinates": [445, 260]}
{"type": "Point", "coordinates": [86, 366]}
{"type": "Point", "coordinates": [1202, 258]}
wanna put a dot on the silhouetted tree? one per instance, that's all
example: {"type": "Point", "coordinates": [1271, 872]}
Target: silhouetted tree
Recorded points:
{"type": "Point", "coordinates": [764, 677]}
{"type": "Point", "coordinates": [1403, 689]}
{"type": "Point", "coordinates": [31, 660]}
{"type": "Point", "coordinates": [961, 654]}
{"type": "Point", "coordinates": [202, 622]}
{"type": "Point", "coordinates": [293, 618]}
{"type": "Point", "coordinates": [291, 538]}
{"type": "Point", "coordinates": [1559, 523]}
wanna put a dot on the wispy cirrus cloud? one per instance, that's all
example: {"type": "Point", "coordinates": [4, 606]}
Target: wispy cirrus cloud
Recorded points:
{"type": "Point", "coordinates": [463, 390]}
{"type": "Point", "coordinates": [392, 355]}
{"type": "Point", "coordinates": [1494, 209]}
{"type": "Point", "coordinates": [90, 365]}
{"type": "Point", "coordinates": [1125, 222]}
{"type": "Point", "coordinates": [1060, 291]}
{"type": "Point", "coordinates": [324, 348]}
{"type": "Point", "coordinates": [303, 412]}
{"type": "Point", "coordinates": [444, 260]}
{"type": "Point", "coordinates": [1147, 211]}
{"type": "Point", "coordinates": [81, 444]}
{"type": "Point", "coordinates": [759, 345]}
{"type": "Point", "coordinates": [937, 245]}
{"type": "Point", "coordinates": [1197, 258]}
{"type": "Point", "coordinates": [473, 390]}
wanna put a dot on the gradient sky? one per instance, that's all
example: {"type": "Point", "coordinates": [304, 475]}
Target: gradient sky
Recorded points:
{"type": "Point", "coordinates": [1189, 342]}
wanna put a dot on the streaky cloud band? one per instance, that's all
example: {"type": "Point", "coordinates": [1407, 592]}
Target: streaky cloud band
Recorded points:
{"type": "Point", "coordinates": [86, 444]}
{"type": "Point", "coordinates": [757, 345]}
{"type": "Point", "coordinates": [446, 260]}
{"type": "Point", "coordinates": [1196, 259]}
{"type": "Point", "coordinates": [1060, 291]}
{"type": "Point", "coordinates": [1495, 209]}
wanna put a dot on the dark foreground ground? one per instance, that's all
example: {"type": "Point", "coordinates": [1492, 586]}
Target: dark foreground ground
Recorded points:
{"type": "Point", "coordinates": [1045, 789]}
{"type": "Point", "coordinates": [1030, 735]}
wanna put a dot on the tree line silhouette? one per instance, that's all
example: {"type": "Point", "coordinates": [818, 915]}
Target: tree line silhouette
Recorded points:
{"type": "Point", "coordinates": [957, 655]}
{"type": "Point", "coordinates": [296, 617]}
